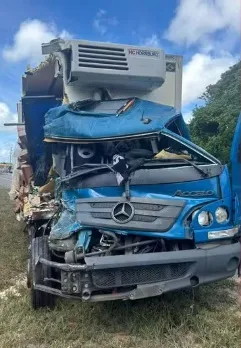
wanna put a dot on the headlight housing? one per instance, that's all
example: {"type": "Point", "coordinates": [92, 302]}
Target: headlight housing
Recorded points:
{"type": "Point", "coordinates": [205, 218]}
{"type": "Point", "coordinates": [221, 215]}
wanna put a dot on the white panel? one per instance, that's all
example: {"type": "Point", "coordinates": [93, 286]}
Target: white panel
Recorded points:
{"type": "Point", "coordinates": [123, 70]}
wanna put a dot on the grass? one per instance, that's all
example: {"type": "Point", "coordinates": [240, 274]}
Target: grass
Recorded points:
{"type": "Point", "coordinates": [13, 251]}
{"type": "Point", "coordinates": [208, 317]}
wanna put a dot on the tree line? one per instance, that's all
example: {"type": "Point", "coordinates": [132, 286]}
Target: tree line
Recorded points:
{"type": "Point", "coordinates": [213, 124]}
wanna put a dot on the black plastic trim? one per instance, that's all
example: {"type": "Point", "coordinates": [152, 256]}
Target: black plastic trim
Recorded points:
{"type": "Point", "coordinates": [153, 176]}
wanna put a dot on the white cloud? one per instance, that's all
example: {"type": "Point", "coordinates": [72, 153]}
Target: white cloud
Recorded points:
{"type": "Point", "coordinates": [201, 71]}
{"type": "Point", "coordinates": [187, 116]}
{"type": "Point", "coordinates": [196, 20]}
{"type": "Point", "coordinates": [6, 116]}
{"type": "Point", "coordinates": [28, 39]}
{"type": "Point", "coordinates": [103, 22]}
{"type": "Point", "coordinates": [152, 41]}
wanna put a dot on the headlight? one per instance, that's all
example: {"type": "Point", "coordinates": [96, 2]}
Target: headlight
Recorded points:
{"type": "Point", "coordinates": [205, 218]}
{"type": "Point", "coordinates": [221, 215]}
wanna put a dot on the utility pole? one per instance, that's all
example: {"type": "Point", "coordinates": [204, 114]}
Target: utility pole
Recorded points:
{"type": "Point", "coordinates": [11, 150]}
{"type": "Point", "coordinates": [10, 160]}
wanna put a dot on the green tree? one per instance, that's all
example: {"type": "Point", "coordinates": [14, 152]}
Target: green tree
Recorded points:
{"type": "Point", "coordinates": [213, 124]}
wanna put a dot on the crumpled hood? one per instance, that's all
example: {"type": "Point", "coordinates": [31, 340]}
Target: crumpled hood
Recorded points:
{"type": "Point", "coordinates": [191, 191]}
{"type": "Point", "coordinates": [64, 123]}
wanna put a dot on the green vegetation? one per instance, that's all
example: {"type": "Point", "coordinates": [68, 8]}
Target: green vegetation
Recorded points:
{"type": "Point", "coordinates": [212, 126]}
{"type": "Point", "coordinates": [208, 317]}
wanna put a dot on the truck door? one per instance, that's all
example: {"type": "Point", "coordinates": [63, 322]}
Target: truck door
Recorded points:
{"type": "Point", "coordinates": [236, 170]}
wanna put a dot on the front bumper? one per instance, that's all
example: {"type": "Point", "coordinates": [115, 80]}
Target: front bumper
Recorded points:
{"type": "Point", "coordinates": [142, 275]}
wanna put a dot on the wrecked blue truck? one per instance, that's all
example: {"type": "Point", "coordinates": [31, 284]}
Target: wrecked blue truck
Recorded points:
{"type": "Point", "coordinates": [118, 201]}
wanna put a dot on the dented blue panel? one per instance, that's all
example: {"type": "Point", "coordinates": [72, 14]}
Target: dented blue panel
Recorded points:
{"type": "Point", "coordinates": [178, 230]}
{"type": "Point", "coordinates": [235, 159]}
{"type": "Point", "coordinates": [143, 117]}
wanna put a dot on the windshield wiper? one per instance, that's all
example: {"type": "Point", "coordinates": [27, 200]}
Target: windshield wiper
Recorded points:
{"type": "Point", "coordinates": [191, 163]}
{"type": "Point", "coordinates": [126, 106]}
{"type": "Point", "coordinates": [87, 168]}
{"type": "Point", "coordinates": [200, 170]}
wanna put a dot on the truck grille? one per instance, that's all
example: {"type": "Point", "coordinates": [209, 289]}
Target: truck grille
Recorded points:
{"type": "Point", "coordinates": [136, 217]}
{"type": "Point", "coordinates": [147, 215]}
{"type": "Point", "coordinates": [91, 56]}
{"type": "Point", "coordinates": [138, 275]}
{"type": "Point", "coordinates": [139, 206]}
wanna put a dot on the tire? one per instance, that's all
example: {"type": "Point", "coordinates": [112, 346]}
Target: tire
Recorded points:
{"type": "Point", "coordinates": [39, 248]}
{"type": "Point", "coordinates": [31, 234]}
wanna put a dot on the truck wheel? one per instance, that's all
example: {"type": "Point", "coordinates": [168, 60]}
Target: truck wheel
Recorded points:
{"type": "Point", "coordinates": [40, 248]}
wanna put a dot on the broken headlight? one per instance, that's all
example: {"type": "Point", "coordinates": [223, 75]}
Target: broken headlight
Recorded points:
{"type": "Point", "coordinates": [205, 218]}
{"type": "Point", "coordinates": [221, 215]}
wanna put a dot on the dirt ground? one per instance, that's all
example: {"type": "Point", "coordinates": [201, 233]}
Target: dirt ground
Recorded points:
{"type": "Point", "coordinates": [208, 317]}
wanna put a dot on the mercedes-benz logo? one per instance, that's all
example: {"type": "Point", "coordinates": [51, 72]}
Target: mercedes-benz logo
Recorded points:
{"type": "Point", "coordinates": [123, 212]}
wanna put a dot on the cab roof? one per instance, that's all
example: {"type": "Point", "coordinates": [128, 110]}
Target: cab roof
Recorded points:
{"type": "Point", "coordinates": [103, 120]}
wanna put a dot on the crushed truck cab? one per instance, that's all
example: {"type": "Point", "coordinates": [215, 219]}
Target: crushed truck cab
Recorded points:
{"type": "Point", "coordinates": [120, 204]}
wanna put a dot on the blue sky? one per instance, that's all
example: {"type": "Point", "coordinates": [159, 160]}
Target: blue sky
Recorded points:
{"type": "Point", "coordinates": [205, 32]}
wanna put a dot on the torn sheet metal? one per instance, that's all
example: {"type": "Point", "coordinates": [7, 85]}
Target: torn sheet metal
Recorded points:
{"type": "Point", "coordinates": [41, 80]}
{"type": "Point", "coordinates": [65, 226]}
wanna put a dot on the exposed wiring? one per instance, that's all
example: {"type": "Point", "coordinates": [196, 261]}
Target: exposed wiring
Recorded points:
{"type": "Point", "coordinates": [95, 253]}
{"type": "Point", "coordinates": [113, 248]}
{"type": "Point", "coordinates": [144, 242]}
